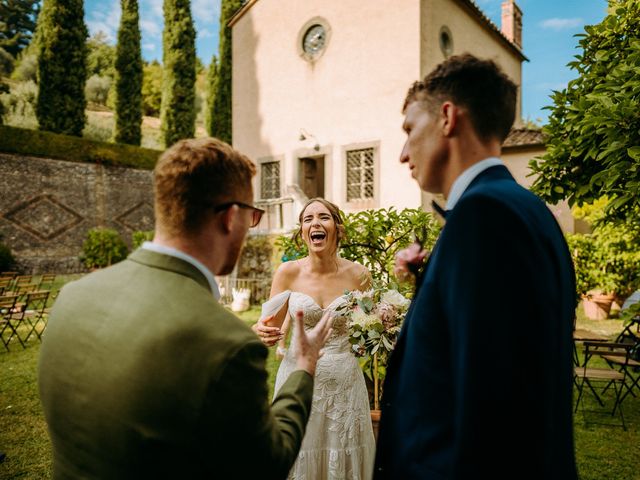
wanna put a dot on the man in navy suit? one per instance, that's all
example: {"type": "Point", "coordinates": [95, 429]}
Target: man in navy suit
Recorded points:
{"type": "Point", "coordinates": [480, 382]}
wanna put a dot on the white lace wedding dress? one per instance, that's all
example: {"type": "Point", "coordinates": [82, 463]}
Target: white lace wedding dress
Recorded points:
{"type": "Point", "coordinates": [339, 442]}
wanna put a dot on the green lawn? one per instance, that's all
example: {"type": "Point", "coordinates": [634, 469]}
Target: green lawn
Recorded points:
{"type": "Point", "coordinates": [602, 451]}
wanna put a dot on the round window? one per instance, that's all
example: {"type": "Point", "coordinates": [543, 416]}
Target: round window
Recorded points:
{"type": "Point", "coordinates": [314, 40]}
{"type": "Point", "coordinates": [446, 41]}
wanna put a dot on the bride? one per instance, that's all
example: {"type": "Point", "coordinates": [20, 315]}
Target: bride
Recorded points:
{"type": "Point", "coordinates": [339, 442]}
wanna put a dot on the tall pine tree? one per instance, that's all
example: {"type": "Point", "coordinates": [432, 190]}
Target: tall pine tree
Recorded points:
{"type": "Point", "coordinates": [18, 22]}
{"type": "Point", "coordinates": [177, 112]}
{"type": "Point", "coordinates": [209, 115]}
{"type": "Point", "coordinates": [62, 71]}
{"type": "Point", "coordinates": [128, 76]}
{"type": "Point", "coordinates": [220, 125]}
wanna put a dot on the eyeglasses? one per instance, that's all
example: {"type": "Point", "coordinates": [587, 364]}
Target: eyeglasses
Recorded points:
{"type": "Point", "coordinates": [256, 212]}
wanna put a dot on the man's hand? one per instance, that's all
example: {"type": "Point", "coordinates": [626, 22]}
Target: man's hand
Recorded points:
{"type": "Point", "coordinates": [409, 261]}
{"type": "Point", "coordinates": [308, 345]}
{"type": "Point", "coordinates": [268, 335]}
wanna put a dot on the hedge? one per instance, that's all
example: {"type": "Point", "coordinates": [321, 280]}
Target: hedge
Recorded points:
{"type": "Point", "coordinates": [73, 149]}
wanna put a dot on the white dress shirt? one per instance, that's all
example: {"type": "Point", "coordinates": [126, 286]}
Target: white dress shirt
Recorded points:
{"type": "Point", "coordinates": [466, 177]}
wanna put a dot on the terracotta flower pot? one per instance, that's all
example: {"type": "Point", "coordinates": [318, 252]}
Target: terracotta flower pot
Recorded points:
{"type": "Point", "coordinates": [375, 420]}
{"type": "Point", "coordinates": [597, 306]}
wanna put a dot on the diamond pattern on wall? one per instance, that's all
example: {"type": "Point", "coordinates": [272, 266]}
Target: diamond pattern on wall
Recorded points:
{"type": "Point", "coordinates": [139, 217]}
{"type": "Point", "coordinates": [44, 216]}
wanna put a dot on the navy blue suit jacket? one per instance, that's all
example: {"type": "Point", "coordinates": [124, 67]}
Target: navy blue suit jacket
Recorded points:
{"type": "Point", "coordinates": [480, 382]}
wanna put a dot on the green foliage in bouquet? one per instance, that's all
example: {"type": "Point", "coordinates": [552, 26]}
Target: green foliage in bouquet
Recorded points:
{"type": "Point", "coordinates": [373, 237]}
{"type": "Point", "coordinates": [374, 321]}
{"type": "Point", "coordinates": [103, 247]}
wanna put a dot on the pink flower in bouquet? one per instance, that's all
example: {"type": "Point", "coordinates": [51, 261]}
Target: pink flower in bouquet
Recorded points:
{"type": "Point", "coordinates": [408, 261]}
{"type": "Point", "coordinates": [387, 314]}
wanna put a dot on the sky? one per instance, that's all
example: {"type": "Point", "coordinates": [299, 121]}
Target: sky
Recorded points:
{"type": "Point", "coordinates": [549, 27]}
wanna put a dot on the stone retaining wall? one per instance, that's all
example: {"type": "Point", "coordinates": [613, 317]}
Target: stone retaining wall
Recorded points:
{"type": "Point", "coordinates": [47, 206]}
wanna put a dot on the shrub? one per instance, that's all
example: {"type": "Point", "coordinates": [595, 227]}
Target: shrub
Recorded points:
{"type": "Point", "coordinates": [7, 262]}
{"type": "Point", "coordinates": [103, 247]}
{"type": "Point", "coordinates": [97, 89]}
{"type": "Point", "coordinates": [139, 237]}
{"type": "Point", "coordinates": [73, 149]}
{"type": "Point", "coordinates": [26, 67]}
{"type": "Point", "coordinates": [19, 105]}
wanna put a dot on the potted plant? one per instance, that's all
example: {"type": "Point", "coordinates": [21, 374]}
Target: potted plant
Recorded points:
{"type": "Point", "coordinates": [607, 266]}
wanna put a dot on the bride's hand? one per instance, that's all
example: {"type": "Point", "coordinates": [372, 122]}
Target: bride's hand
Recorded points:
{"type": "Point", "coordinates": [268, 335]}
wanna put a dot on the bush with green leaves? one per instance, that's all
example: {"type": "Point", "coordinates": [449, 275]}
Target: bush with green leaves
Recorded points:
{"type": "Point", "coordinates": [103, 247]}
{"type": "Point", "coordinates": [609, 258]}
{"type": "Point", "coordinates": [373, 237]}
{"type": "Point", "coordinates": [26, 66]}
{"type": "Point", "coordinates": [19, 105]}
{"type": "Point", "coordinates": [141, 236]}
{"type": "Point", "coordinates": [7, 261]}
{"type": "Point", "coordinates": [97, 89]}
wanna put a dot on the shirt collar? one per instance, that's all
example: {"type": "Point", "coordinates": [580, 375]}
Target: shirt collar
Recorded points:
{"type": "Point", "coordinates": [466, 177]}
{"type": "Point", "coordinates": [173, 252]}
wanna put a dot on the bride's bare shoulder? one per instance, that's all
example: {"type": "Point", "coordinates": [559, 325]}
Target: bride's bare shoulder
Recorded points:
{"type": "Point", "coordinates": [288, 270]}
{"type": "Point", "coordinates": [358, 274]}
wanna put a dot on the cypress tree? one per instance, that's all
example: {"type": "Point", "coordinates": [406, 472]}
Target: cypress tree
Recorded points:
{"type": "Point", "coordinates": [62, 57]}
{"type": "Point", "coordinates": [221, 106]}
{"type": "Point", "coordinates": [128, 76]}
{"type": "Point", "coordinates": [209, 116]}
{"type": "Point", "coordinates": [177, 111]}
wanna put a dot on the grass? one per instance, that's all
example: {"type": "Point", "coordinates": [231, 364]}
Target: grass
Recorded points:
{"type": "Point", "coordinates": [602, 451]}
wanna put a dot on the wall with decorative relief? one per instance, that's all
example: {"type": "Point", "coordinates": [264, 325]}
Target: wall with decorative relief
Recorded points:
{"type": "Point", "coordinates": [47, 206]}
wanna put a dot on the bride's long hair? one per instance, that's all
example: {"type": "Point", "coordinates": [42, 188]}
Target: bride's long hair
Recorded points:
{"type": "Point", "coordinates": [335, 214]}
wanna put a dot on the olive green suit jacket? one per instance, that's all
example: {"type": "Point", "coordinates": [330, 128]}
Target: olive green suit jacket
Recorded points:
{"type": "Point", "coordinates": [143, 374]}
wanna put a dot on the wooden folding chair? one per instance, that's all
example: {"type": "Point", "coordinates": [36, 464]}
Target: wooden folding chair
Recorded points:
{"type": "Point", "coordinates": [12, 312]}
{"type": "Point", "coordinates": [590, 377]}
{"type": "Point", "coordinates": [35, 313]}
{"type": "Point", "coordinates": [46, 281]}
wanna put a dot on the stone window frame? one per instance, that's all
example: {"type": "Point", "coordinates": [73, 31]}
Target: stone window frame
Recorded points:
{"type": "Point", "coordinates": [317, 20]}
{"type": "Point", "coordinates": [261, 162]}
{"type": "Point", "coordinates": [362, 203]}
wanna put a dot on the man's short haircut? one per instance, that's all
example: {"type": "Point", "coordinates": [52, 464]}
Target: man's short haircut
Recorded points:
{"type": "Point", "coordinates": [480, 86]}
{"type": "Point", "coordinates": [193, 176]}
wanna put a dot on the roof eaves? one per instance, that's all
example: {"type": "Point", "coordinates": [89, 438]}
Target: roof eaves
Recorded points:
{"type": "Point", "coordinates": [473, 7]}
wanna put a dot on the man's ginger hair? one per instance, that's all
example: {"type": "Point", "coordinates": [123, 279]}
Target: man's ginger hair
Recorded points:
{"type": "Point", "coordinates": [192, 177]}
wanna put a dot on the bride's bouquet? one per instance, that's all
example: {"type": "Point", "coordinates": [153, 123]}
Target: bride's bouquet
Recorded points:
{"type": "Point", "coordinates": [374, 320]}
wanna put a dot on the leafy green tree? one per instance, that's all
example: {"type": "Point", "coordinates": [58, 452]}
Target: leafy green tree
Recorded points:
{"type": "Point", "coordinates": [62, 67]}
{"type": "Point", "coordinates": [18, 24]}
{"type": "Point", "coordinates": [593, 134]}
{"type": "Point", "coordinates": [209, 116]}
{"type": "Point", "coordinates": [128, 77]}
{"type": "Point", "coordinates": [177, 112]}
{"type": "Point", "coordinates": [219, 109]}
{"type": "Point", "coordinates": [101, 56]}
{"type": "Point", "coordinates": [152, 88]}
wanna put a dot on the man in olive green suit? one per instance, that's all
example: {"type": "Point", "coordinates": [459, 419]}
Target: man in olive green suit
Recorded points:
{"type": "Point", "coordinates": [143, 374]}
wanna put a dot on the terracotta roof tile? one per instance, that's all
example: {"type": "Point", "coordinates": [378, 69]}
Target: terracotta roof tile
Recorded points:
{"type": "Point", "coordinates": [522, 137]}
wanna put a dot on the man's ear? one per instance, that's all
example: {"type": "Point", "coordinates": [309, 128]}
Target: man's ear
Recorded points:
{"type": "Point", "coordinates": [228, 218]}
{"type": "Point", "coordinates": [449, 117]}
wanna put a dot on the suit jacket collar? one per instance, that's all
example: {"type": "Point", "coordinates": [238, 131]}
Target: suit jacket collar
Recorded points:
{"type": "Point", "coordinates": [169, 263]}
{"type": "Point", "coordinates": [498, 172]}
